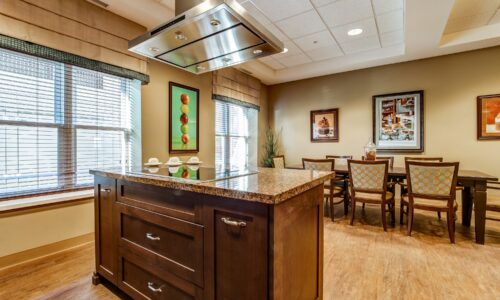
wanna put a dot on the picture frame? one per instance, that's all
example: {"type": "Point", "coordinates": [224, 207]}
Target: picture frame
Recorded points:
{"type": "Point", "coordinates": [324, 125]}
{"type": "Point", "coordinates": [398, 122]}
{"type": "Point", "coordinates": [183, 109]}
{"type": "Point", "coordinates": [488, 117]}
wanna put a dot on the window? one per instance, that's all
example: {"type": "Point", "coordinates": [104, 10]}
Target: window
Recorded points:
{"type": "Point", "coordinates": [57, 121]}
{"type": "Point", "coordinates": [235, 135]}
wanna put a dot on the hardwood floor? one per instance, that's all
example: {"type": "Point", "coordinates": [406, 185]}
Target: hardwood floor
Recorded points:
{"type": "Point", "coordinates": [361, 262]}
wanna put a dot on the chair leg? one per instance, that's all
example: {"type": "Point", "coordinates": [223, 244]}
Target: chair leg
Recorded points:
{"type": "Point", "coordinates": [409, 219]}
{"type": "Point", "coordinates": [439, 215]}
{"type": "Point", "coordinates": [401, 212]}
{"type": "Point", "coordinates": [384, 216]}
{"type": "Point", "coordinates": [450, 218]}
{"type": "Point", "coordinates": [353, 210]}
{"type": "Point", "coordinates": [393, 214]}
{"type": "Point", "coordinates": [331, 208]}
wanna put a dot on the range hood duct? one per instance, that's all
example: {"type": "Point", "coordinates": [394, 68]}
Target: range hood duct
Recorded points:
{"type": "Point", "coordinates": [207, 35]}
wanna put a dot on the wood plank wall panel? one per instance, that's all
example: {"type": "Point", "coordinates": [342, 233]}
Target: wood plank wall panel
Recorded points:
{"type": "Point", "coordinates": [235, 84]}
{"type": "Point", "coordinates": [73, 26]}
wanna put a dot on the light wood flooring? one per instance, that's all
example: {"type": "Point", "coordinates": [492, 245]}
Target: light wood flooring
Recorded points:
{"type": "Point", "coordinates": [361, 262]}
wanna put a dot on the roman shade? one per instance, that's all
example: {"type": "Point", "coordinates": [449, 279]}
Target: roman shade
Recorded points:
{"type": "Point", "coordinates": [232, 85]}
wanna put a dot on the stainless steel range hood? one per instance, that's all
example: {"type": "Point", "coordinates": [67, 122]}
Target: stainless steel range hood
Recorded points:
{"type": "Point", "coordinates": [207, 35]}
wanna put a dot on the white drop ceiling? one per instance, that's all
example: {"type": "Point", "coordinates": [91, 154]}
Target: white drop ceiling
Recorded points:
{"type": "Point", "coordinates": [315, 31]}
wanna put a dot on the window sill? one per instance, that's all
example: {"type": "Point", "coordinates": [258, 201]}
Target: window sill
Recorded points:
{"type": "Point", "coordinates": [29, 202]}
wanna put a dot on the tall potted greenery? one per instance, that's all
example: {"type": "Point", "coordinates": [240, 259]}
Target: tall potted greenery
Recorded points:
{"type": "Point", "coordinates": [271, 147]}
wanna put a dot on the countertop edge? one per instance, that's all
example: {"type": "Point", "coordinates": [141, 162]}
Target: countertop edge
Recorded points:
{"type": "Point", "coordinates": [203, 188]}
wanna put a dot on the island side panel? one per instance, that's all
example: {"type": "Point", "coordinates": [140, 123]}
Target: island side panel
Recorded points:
{"type": "Point", "coordinates": [296, 253]}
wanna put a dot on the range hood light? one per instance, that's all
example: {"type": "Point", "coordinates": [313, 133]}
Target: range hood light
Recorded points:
{"type": "Point", "coordinates": [214, 22]}
{"type": "Point", "coordinates": [154, 49]}
{"type": "Point", "coordinates": [201, 68]}
{"type": "Point", "coordinates": [257, 51]}
{"type": "Point", "coordinates": [179, 36]}
{"type": "Point", "coordinates": [226, 60]}
{"type": "Point", "coordinates": [285, 50]}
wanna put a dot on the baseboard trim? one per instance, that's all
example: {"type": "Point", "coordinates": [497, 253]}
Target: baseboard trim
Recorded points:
{"type": "Point", "coordinates": [42, 251]}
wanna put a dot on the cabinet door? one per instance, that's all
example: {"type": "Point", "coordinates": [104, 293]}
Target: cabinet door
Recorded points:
{"type": "Point", "coordinates": [105, 240]}
{"type": "Point", "coordinates": [241, 256]}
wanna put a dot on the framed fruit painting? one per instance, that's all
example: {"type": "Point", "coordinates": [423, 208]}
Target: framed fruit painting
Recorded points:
{"type": "Point", "coordinates": [325, 125]}
{"type": "Point", "coordinates": [184, 107]}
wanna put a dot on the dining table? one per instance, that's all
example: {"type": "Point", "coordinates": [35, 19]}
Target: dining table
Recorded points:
{"type": "Point", "coordinates": [474, 193]}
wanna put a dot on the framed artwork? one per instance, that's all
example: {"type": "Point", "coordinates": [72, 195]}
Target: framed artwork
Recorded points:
{"type": "Point", "coordinates": [325, 125]}
{"type": "Point", "coordinates": [184, 107]}
{"type": "Point", "coordinates": [488, 117]}
{"type": "Point", "coordinates": [398, 122]}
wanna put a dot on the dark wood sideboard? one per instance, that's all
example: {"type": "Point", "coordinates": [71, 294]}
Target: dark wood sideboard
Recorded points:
{"type": "Point", "coordinates": [158, 243]}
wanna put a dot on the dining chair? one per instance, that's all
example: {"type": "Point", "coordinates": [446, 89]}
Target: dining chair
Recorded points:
{"type": "Point", "coordinates": [428, 159]}
{"type": "Point", "coordinates": [340, 159]}
{"type": "Point", "coordinates": [331, 190]}
{"type": "Point", "coordinates": [388, 158]}
{"type": "Point", "coordinates": [431, 187]}
{"type": "Point", "coordinates": [493, 200]}
{"type": "Point", "coordinates": [279, 162]}
{"type": "Point", "coordinates": [368, 184]}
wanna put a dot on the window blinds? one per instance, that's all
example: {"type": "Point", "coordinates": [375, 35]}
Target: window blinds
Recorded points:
{"type": "Point", "coordinates": [57, 121]}
{"type": "Point", "coordinates": [235, 135]}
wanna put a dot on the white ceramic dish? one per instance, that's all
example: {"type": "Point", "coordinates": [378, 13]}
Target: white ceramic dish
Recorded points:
{"type": "Point", "coordinates": [153, 164]}
{"type": "Point", "coordinates": [174, 164]}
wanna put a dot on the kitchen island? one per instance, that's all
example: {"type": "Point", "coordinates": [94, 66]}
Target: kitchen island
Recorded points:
{"type": "Point", "coordinates": [254, 234]}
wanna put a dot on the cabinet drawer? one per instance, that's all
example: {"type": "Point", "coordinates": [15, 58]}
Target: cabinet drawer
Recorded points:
{"type": "Point", "coordinates": [175, 203]}
{"type": "Point", "coordinates": [139, 280]}
{"type": "Point", "coordinates": [173, 245]}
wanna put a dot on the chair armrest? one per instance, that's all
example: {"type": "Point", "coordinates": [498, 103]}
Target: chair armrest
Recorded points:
{"type": "Point", "coordinates": [459, 188]}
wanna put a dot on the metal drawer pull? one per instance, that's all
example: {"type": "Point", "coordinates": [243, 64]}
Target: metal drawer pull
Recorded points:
{"type": "Point", "coordinates": [230, 222]}
{"type": "Point", "coordinates": [152, 237]}
{"type": "Point", "coordinates": [105, 190]}
{"type": "Point", "coordinates": [151, 286]}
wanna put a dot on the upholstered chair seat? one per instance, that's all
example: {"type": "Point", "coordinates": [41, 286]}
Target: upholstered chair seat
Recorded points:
{"type": "Point", "coordinates": [428, 202]}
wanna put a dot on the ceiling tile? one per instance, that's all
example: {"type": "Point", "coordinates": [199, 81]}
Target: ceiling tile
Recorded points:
{"type": "Point", "coordinates": [391, 21]}
{"type": "Point", "coordinates": [255, 12]}
{"type": "Point", "coordinates": [272, 63]}
{"type": "Point", "coordinates": [319, 3]}
{"type": "Point", "coordinates": [294, 60]}
{"type": "Point", "coordinates": [276, 31]}
{"type": "Point", "coordinates": [325, 53]}
{"type": "Point", "coordinates": [496, 18]}
{"type": "Point", "coordinates": [345, 11]}
{"type": "Point", "coordinates": [392, 38]}
{"type": "Point", "coordinates": [384, 6]}
{"type": "Point", "coordinates": [280, 9]}
{"type": "Point", "coordinates": [316, 40]}
{"type": "Point", "coordinates": [301, 25]}
{"type": "Point", "coordinates": [292, 50]}
{"type": "Point", "coordinates": [368, 25]}
{"type": "Point", "coordinates": [355, 46]}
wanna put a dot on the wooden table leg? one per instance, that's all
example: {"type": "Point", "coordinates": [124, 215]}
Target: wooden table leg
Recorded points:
{"type": "Point", "coordinates": [480, 210]}
{"type": "Point", "coordinates": [466, 205]}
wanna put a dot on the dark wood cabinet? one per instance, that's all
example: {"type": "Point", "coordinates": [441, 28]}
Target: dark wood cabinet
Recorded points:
{"type": "Point", "coordinates": [159, 243]}
{"type": "Point", "coordinates": [105, 228]}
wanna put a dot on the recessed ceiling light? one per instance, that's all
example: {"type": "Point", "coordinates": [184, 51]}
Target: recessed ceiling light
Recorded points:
{"type": "Point", "coordinates": [257, 51]}
{"type": "Point", "coordinates": [355, 31]}
{"type": "Point", "coordinates": [285, 50]}
{"type": "Point", "coordinates": [179, 36]}
{"type": "Point", "coordinates": [214, 22]}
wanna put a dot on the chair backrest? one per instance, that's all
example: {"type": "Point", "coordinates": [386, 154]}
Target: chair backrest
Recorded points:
{"type": "Point", "coordinates": [493, 193]}
{"type": "Point", "coordinates": [390, 159]}
{"type": "Point", "coordinates": [318, 164]}
{"type": "Point", "coordinates": [368, 176]}
{"type": "Point", "coordinates": [279, 162]}
{"type": "Point", "coordinates": [340, 159]}
{"type": "Point", "coordinates": [432, 180]}
{"type": "Point", "coordinates": [428, 159]}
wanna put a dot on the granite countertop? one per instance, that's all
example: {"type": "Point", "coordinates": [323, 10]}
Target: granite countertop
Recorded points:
{"type": "Point", "coordinates": [270, 186]}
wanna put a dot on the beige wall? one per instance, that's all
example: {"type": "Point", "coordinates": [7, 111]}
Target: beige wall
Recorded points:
{"type": "Point", "coordinates": [155, 112]}
{"type": "Point", "coordinates": [37, 227]}
{"type": "Point", "coordinates": [450, 83]}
